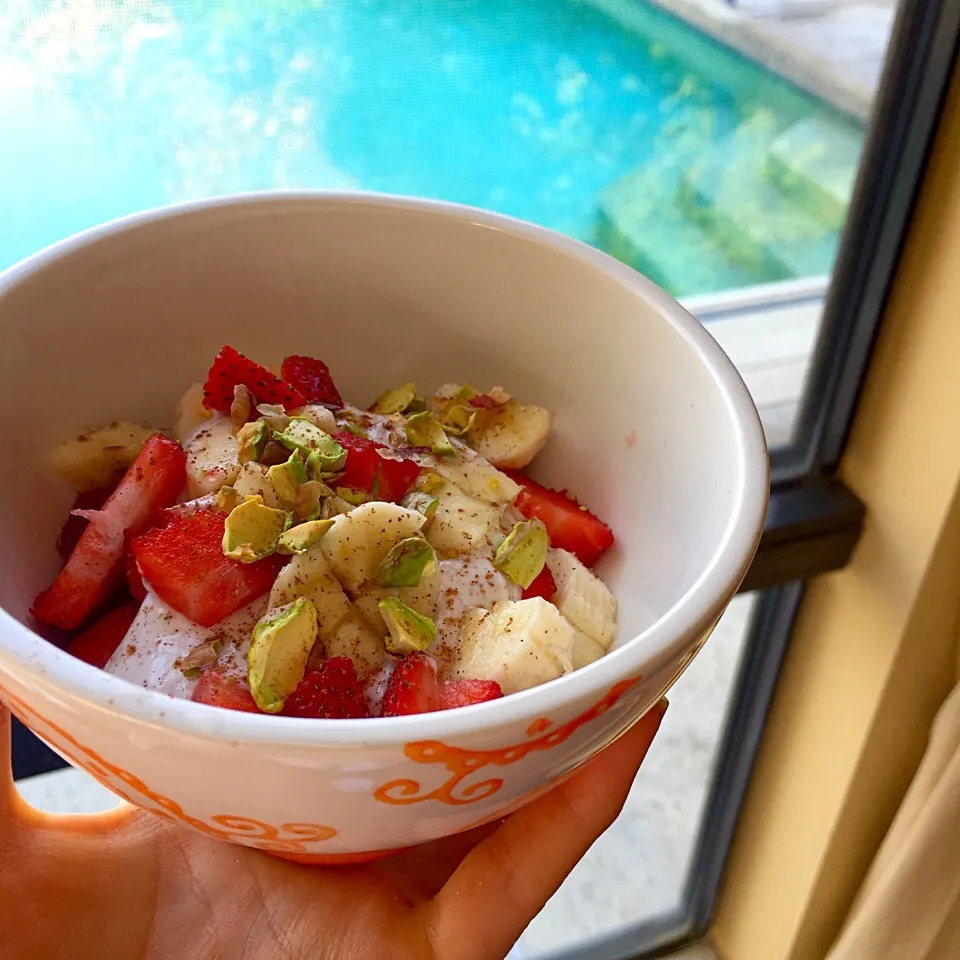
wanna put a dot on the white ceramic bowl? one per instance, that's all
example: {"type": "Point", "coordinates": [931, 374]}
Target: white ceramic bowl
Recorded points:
{"type": "Point", "coordinates": [654, 430]}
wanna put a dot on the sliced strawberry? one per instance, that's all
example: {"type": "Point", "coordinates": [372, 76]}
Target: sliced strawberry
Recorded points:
{"type": "Point", "coordinates": [366, 470]}
{"type": "Point", "coordinates": [95, 567]}
{"type": "Point", "coordinates": [72, 530]}
{"type": "Point", "coordinates": [96, 644]}
{"type": "Point", "coordinates": [334, 692]}
{"type": "Point", "coordinates": [312, 378]}
{"type": "Point", "coordinates": [231, 368]}
{"type": "Point", "coordinates": [570, 526]}
{"type": "Point", "coordinates": [216, 690]}
{"type": "Point", "coordinates": [413, 687]}
{"type": "Point", "coordinates": [543, 585]}
{"type": "Point", "coordinates": [461, 693]}
{"type": "Point", "coordinates": [134, 581]}
{"type": "Point", "coordinates": [184, 563]}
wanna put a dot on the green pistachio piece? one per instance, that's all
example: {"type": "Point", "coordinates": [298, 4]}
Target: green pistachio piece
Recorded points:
{"type": "Point", "coordinates": [252, 440]}
{"type": "Point", "coordinates": [304, 435]}
{"type": "Point", "coordinates": [227, 499]}
{"type": "Point", "coordinates": [251, 530]}
{"type": "Point", "coordinates": [431, 483]}
{"type": "Point", "coordinates": [395, 401]}
{"type": "Point", "coordinates": [458, 420]}
{"type": "Point", "coordinates": [303, 536]}
{"type": "Point", "coordinates": [421, 502]}
{"type": "Point", "coordinates": [355, 497]}
{"type": "Point", "coordinates": [286, 477]}
{"type": "Point", "coordinates": [327, 457]}
{"type": "Point", "coordinates": [406, 563]}
{"type": "Point", "coordinates": [409, 631]}
{"type": "Point", "coordinates": [423, 430]}
{"type": "Point", "coordinates": [356, 430]}
{"type": "Point", "coordinates": [277, 658]}
{"type": "Point", "coordinates": [523, 553]}
{"type": "Point", "coordinates": [309, 499]}
{"type": "Point", "coordinates": [416, 405]}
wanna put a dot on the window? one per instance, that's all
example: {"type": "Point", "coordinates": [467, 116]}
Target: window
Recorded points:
{"type": "Point", "coordinates": [757, 158]}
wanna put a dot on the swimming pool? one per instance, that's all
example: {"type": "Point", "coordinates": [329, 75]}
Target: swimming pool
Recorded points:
{"type": "Point", "coordinates": [628, 130]}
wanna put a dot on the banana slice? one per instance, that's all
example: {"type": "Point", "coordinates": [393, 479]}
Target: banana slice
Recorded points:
{"type": "Point", "coordinates": [585, 650]}
{"type": "Point", "coordinates": [342, 628]}
{"type": "Point", "coordinates": [212, 460]}
{"type": "Point", "coordinates": [360, 539]}
{"type": "Point", "coordinates": [253, 481]}
{"type": "Point", "coordinates": [318, 415]}
{"type": "Point", "coordinates": [95, 459]}
{"type": "Point", "coordinates": [460, 522]}
{"type": "Point", "coordinates": [511, 435]}
{"type": "Point", "coordinates": [190, 412]}
{"type": "Point", "coordinates": [583, 598]}
{"type": "Point", "coordinates": [519, 644]}
{"type": "Point", "coordinates": [477, 477]}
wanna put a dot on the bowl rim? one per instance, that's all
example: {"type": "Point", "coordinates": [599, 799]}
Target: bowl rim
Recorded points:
{"type": "Point", "coordinates": [695, 612]}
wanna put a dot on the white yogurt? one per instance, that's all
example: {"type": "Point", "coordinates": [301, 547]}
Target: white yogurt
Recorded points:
{"type": "Point", "coordinates": [160, 636]}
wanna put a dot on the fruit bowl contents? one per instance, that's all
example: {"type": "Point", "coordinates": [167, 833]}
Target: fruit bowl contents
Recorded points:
{"type": "Point", "coordinates": [289, 553]}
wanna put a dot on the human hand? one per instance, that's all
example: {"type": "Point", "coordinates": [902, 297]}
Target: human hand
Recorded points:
{"type": "Point", "coordinates": [125, 884]}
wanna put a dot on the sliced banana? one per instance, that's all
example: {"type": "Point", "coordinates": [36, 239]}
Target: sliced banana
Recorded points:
{"type": "Point", "coordinates": [519, 644]}
{"type": "Point", "coordinates": [360, 539]}
{"type": "Point", "coordinates": [253, 481]}
{"type": "Point", "coordinates": [511, 435]}
{"type": "Point", "coordinates": [585, 650]}
{"type": "Point", "coordinates": [95, 459]}
{"type": "Point", "coordinates": [190, 412]}
{"type": "Point", "coordinates": [460, 522]}
{"type": "Point", "coordinates": [344, 630]}
{"type": "Point", "coordinates": [212, 460]}
{"type": "Point", "coordinates": [583, 598]}
{"type": "Point", "coordinates": [318, 415]}
{"type": "Point", "coordinates": [477, 478]}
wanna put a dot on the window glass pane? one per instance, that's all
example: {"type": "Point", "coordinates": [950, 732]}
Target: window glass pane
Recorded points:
{"type": "Point", "coordinates": [712, 144]}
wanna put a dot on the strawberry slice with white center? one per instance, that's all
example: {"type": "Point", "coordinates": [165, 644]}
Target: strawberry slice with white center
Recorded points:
{"type": "Point", "coordinates": [95, 567]}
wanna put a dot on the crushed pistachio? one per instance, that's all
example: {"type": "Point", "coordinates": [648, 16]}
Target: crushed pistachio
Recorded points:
{"type": "Point", "coordinates": [522, 555]}
{"type": "Point", "coordinates": [424, 430]}
{"type": "Point", "coordinates": [395, 401]}
{"type": "Point", "coordinates": [409, 631]}
{"type": "Point", "coordinates": [303, 536]}
{"type": "Point", "coordinates": [406, 563]}
{"type": "Point", "coordinates": [252, 439]}
{"type": "Point", "coordinates": [286, 477]}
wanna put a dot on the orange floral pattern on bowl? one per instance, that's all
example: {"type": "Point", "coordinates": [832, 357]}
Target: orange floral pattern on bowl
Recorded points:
{"type": "Point", "coordinates": [463, 763]}
{"type": "Point", "coordinates": [289, 838]}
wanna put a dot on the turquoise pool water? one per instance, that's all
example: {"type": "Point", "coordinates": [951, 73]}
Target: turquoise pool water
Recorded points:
{"type": "Point", "coordinates": [628, 131]}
